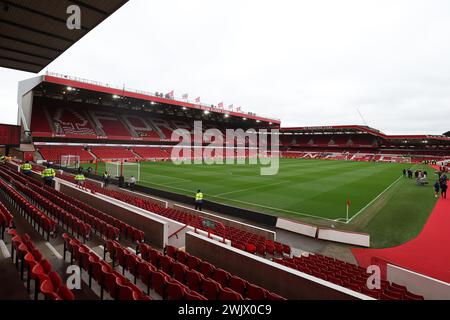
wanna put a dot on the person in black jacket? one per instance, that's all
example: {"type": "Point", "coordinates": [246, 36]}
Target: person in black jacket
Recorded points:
{"type": "Point", "coordinates": [121, 181]}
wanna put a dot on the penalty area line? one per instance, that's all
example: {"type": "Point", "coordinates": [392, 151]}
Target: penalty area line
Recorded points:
{"type": "Point", "coordinates": [373, 200]}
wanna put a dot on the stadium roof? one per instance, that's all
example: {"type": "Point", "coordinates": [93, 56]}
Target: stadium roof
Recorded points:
{"type": "Point", "coordinates": [34, 33]}
{"type": "Point", "coordinates": [135, 97]}
{"type": "Point", "coordinates": [363, 129]}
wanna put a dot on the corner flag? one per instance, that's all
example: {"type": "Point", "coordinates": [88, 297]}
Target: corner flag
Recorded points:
{"type": "Point", "coordinates": [348, 206]}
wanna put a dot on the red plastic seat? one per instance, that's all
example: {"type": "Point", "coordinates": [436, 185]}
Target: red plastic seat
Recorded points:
{"type": "Point", "coordinates": [109, 282]}
{"type": "Point", "coordinates": [237, 284]}
{"type": "Point", "coordinates": [48, 290]}
{"type": "Point", "coordinates": [226, 294]}
{"type": "Point", "coordinates": [221, 276]}
{"type": "Point", "coordinates": [392, 294]}
{"type": "Point", "coordinates": [55, 279]}
{"type": "Point", "coordinates": [191, 295]}
{"type": "Point", "coordinates": [144, 250]}
{"type": "Point", "coordinates": [411, 296]}
{"type": "Point", "coordinates": [166, 263]}
{"type": "Point", "coordinates": [210, 289]}
{"type": "Point", "coordinates": [274, 296]}
{"type": "Point", "coordinates": [206, 269]}
{"type": "Point", "coordinates": [179, 271]}
{"type": "Point", "coordinates": [144, 271]}
{"type": "Point", "coordinates": [181, 256]}
{"type": "Point", "coordinates": [171, 251]}
{"type": "Point", "coordinates": [250, 247]}
{"type": "Point", "coordinates": [194, 280]}
{"type": "Point", "coordinates": [159, 282]}
{"type": "Point", "coordinates": [175, 290]}
{"type": "Point", "coordinates": [155, 256]}
{"type": "Point", "coordinates": [255, 292]}
{"type": "Point", "coordinates": [192, 262]}
{"type": "Point", "coordinates": [65, 294]}
{"type": "Point", "coordinates": [124, 291]}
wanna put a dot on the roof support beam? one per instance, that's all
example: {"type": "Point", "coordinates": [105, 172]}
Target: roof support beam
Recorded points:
{"type": "Point", "coordinates": [37, 12]}
{"type": "Point", "coordinates": [48, 34]}
{"type": "Point", "coordinates": [30, 43]}
{"type": "Point", "coordinates": [25, 53]}
{"type": "Point", "coordinates": [90, 7]}
{"type": "Point", "coordinates": [23, 61]}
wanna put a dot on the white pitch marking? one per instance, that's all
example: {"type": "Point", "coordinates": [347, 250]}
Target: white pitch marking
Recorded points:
{"type": "Point", "coordinates": [53, 250]}
{"type": "Point", "coordinates": [373, 200]}
{"type": "Point", "coordinates": [175, 182]}
{"type": "Point", "coordinates": [278, 209]}
{"type": "Point", "coordinates": [251, 188]}
{"type": "Point", "coordinates": [4, 249]}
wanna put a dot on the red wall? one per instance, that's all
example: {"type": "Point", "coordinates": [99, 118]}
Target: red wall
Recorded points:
{"type": "Point", "coordinates": [9, 135]}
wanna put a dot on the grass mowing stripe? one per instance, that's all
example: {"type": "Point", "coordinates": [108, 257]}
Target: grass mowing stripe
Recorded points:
{"type": "Point", "coordinates": [373, 200]}
{"type": "Point", "coordinates": [277, 209]}
{"type": "Point", "coordinates": [316, 186]}
{"type": "Point", "coordinates": [252, 188]}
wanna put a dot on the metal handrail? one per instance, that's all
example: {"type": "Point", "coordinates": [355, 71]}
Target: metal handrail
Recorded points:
{"type": "Point", "coordinates": [152, 94]}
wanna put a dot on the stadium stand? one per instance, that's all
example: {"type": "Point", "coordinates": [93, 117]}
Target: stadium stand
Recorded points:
{"type": "Point", "coordinates": [32, 262]}
{"type": "Point", "coordinates": [240, 239]}
{"type": "Point", "coordinates": [99, 221]}
{"type": "Point", "coordinates": [113, 153]}
{"type": "Point", "coordinates": [54, 153]}
{"type": "Point", "coordinates": [347, 275]}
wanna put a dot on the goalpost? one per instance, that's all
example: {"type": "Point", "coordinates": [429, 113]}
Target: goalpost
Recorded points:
{"type": "Point", "coordinates": [70, 161]}
{"type": "Point", "coordinates": [127, 169]}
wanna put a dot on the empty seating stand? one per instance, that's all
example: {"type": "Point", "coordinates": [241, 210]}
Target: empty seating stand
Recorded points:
{"type": "Point", "coordinates": [110, 281]}
{"type": "Point", "coordinates": [347, 275]}
{"type": "Point", "coordinates": [31, 262]}
{"type": "Point", "coordinates": [240, 239]}
{"type": "Point", "coordinates": [82, 217]}
{"type": "Point", "coordinates": [214, 283]}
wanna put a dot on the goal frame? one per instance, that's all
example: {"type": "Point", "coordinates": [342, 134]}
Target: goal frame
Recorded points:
{"type": "Point", "coordinates": [120, 169]}
{"type": "Point", "coordinates": [64, 161]}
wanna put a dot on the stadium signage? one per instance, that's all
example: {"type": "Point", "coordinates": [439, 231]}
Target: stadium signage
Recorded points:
{"type": "Point", "coordinates": [235, 147]}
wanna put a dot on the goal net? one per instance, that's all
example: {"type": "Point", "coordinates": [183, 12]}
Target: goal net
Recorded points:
{"type": "Point", "coordinates": [127, 169]}
{"type": "Point", "coordinates": [70, 161]}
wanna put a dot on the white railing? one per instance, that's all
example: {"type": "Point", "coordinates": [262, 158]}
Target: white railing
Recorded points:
{"type": "Point", "coordinates": [203, 106]}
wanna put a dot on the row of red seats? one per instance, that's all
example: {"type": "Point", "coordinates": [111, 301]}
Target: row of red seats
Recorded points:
{"type": "Point", "coordinates": [114, 283]}
{"type": "Point", "coordinates": [347, 275]}
{"type": "Point", "coordinates": [110, 153]}
{"type": "Point", "coordinates": [101, 222]}
{"type": "Point", "coordinates": [37, 217]}
{"type": "Point", "coordinates": [70, 222]}
{"type": "Point", "coordinates": [239, 238]}
{"type": "Point", "coordinates": [46, 281]}
{"type": "Point", "coordinates": [6, 220]}
{"type": "Point", "coordinates": [55, 153]}
{"type": "Point", "coordinates": [213, 280]}
{"type": "Point", "coordinates": [153, 277]}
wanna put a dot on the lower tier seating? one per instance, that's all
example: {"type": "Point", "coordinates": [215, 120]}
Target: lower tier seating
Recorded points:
{"type": "Point", "coordinates": [346, 275]}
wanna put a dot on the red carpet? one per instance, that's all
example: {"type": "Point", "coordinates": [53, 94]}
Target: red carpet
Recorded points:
{"type": "Point", "coordinates": [428, 254]}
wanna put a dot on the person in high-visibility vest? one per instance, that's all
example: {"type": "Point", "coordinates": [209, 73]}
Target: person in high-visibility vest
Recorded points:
{"type": "Point", "coordinates": [48, 174]}
{"type": "Point", "coordinates": [2, 158]}
{"type": "Point", "coordinates": [198, 200]}
{"type": "Point", "coordinates": [26, 168]}
{"type": "Point", "coordinates": [79, 179]}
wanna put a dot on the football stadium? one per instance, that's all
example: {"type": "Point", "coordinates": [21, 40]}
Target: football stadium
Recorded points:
{"type": "Point", "coordinates": [116, 193]}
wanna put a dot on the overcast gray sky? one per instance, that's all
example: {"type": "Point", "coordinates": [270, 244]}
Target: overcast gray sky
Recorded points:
{"type": "Point", "coordinates": [307, 62]}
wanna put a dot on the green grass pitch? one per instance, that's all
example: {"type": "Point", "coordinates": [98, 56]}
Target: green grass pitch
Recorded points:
{"type": "Point", "coordinates": [383, 203]}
